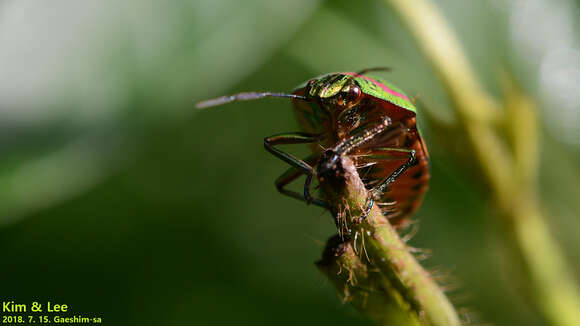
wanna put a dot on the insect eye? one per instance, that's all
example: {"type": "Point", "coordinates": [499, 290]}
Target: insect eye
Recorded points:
{"type": "Point", "coordinates": [351, 95]}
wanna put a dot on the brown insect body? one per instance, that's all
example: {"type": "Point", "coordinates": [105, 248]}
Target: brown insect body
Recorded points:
{"type": "Point", "coordinates": [375, 159]}
{"type": "Point", "coordinates": [366, 118]}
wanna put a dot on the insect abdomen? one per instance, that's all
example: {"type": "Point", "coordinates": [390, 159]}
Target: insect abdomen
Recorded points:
{"type": "Point", "coordinates": [404, 196]}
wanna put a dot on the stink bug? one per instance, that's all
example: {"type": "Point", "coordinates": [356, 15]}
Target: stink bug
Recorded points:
{"type": "Point", "coordinates": [364, 117]}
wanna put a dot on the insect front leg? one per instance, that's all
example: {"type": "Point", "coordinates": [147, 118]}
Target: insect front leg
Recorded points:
{"type": "Point", "coordinates": [330, 158]}
{"type": "Point", "coordinates": [299, 166]}
{"type": "Point", "coordinates": [292, 174]}
{"type": "Point", "coordinates": [377, 191]}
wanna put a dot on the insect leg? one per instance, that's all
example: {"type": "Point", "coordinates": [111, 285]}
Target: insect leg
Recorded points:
{"type": "Point", "coordinates": [381, 187]}
{"type": "Point", "coordinates": [330, 157]}
{"type": "Point", "coordinates": [303, 167]}
{"type": "Point", "coordinates": [293, 174]}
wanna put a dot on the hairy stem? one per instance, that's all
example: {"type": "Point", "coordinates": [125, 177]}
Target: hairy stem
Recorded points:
{"type": "Point", "coordinates": [383, 260]}
{"type": "Point", "coordinates": [366, 288]}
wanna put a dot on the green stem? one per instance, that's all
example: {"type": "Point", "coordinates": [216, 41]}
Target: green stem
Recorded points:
{"type": "Point", "coordinates": [365, 288]}
{"type": "Point", "coordinates": [406, 285]}
{"type": "Point", "coordinates": [511, 174]}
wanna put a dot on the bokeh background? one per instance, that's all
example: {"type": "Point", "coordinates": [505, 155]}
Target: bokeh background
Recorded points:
{"type": "Point", "coordinates": [120, 200]}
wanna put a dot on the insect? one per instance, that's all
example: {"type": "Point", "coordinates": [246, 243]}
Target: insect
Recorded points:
{"type": "Point", "coordinates": [364, 117]}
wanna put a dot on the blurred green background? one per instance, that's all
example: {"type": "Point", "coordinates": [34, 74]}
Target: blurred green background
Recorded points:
{"type": "Point", "coordinates": [120, 200]}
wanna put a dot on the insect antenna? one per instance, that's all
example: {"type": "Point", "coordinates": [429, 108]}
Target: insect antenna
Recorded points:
{"type": "Point", "coordinates": [367, 70]}
{"type": "Point", "coordinates": [244, 97]}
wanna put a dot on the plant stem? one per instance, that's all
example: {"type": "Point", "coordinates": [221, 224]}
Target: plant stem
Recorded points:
{"type": "Point", "coordinates": [404, 284]}
{"type": "Point", "coordinates": [365, 288]}
{"type": "Point", "coordinates": [511, 174]}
